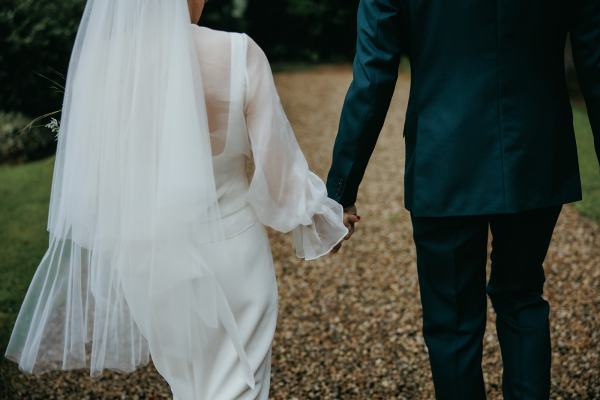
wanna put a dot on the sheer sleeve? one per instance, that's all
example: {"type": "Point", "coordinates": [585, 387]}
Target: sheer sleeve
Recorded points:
{"type": "Point", "coordinates": [283, 192]}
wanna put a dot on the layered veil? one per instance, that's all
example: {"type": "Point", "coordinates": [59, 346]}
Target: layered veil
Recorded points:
{"type": "Point", "coordinates": [134, 223]}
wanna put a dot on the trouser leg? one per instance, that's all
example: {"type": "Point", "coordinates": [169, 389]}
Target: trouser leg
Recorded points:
{"type": "Point", "coordinates": [451, 260]}
{"type": "Point", "coordinates": [520, 244]}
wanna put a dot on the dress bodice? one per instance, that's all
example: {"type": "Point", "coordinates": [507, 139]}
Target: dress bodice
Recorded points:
{"type": "Point", "coordinates": [232, 187]}
{"type": "Point", "coordinates": [232, 144]}
{"type": "Point", "coordinates": [247, 122]}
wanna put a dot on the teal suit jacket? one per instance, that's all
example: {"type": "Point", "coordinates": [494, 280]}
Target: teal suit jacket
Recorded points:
{"type": "Point", "coordinates": [489, 124]}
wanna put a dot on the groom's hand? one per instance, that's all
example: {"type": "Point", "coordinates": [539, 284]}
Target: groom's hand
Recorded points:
{"type": "Point", "coordinates": [351, 217]}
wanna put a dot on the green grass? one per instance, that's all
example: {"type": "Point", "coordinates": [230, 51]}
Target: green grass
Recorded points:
{"type": "Point", "coordinates": [590, 172]}
{"type": "Point", "coordinates": [24, 196]}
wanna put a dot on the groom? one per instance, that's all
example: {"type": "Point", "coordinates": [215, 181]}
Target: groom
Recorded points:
{"type": "Point", "coordinates": [489, 146]}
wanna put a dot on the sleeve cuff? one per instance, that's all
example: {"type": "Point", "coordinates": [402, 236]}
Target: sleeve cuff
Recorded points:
{"type": "Point", "coordinates": [337, 190]}
{"type": "Point", "coordinates": [323, 234]}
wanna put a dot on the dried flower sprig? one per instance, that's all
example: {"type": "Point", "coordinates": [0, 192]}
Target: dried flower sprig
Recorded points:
{"type": "Point", "coordinates": [54, 126]}
{"type": "Point", "coordinates": [34, 122]}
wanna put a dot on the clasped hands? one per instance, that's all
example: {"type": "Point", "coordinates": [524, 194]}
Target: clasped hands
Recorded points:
{"type": "Point", "coordinates": [351, 217]}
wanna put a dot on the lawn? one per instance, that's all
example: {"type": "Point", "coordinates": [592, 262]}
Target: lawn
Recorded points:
{"type": "Point", "coordinates": [24, 195]}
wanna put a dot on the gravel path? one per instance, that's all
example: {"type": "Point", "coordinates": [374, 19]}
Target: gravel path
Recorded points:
{"type": "Point", "coordinates": [349, 325]}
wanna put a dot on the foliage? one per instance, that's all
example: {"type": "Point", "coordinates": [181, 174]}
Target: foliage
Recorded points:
{"type": "Point", "coordinates": [304, 30]}
{"type": "Point", "coordinates": [18, 144]}
{"type": "Point", "coordinates": [36, 37]}
{"type": "Point", "coordinates": [291, 30]}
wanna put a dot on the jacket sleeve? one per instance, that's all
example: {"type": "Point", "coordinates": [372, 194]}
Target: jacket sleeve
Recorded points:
{"type": "Point", "coordinates": [375, 71]}
{"type": "Point", "coordinates": [585, 40]}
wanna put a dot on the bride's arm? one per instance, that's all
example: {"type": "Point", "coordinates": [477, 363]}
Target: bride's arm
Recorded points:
{"type": "Point", "coordinates": [284, 193]}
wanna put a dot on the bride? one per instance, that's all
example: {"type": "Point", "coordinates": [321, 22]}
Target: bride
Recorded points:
{"type": "Point", "coordinates": [157, 240]}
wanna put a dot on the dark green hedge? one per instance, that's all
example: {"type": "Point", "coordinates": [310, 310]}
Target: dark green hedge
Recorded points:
{"type": "Point", "coordinates": [36, 38]}
{"type": "Point", "coordinates": [18, 145]}
{"type": "Point", "coordinates": [304, 30]}
{"type": "Point", "coordinates": [291, 30]}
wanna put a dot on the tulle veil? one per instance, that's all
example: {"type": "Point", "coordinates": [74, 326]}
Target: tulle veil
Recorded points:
{"type": "Point", "coordinates": [134, 222]}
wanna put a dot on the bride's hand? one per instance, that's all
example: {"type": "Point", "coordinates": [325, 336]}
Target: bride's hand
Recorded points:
{"type": "Point", "coordinates": [351, 217]}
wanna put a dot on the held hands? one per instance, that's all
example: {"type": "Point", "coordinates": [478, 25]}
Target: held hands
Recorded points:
{"type": "Point", "coordinates": [351, 217]}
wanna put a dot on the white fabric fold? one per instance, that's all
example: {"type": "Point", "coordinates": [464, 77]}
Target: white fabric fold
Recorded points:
{"type": "Point", "coordinates": [321, 229]}
{"type": "Point", "coordinates": [284, 193]}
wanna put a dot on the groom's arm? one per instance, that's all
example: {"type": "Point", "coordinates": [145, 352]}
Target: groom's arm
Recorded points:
{"type": "Point", "coordinates": [375, 72]}
{"type": "Point", "coordinates": [585, 39]}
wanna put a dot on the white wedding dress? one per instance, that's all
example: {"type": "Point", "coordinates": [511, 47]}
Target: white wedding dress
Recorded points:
{"type": "Point", "coordinates": [247, 121]}
{"type": "Point", "coordinates": [157, 246]}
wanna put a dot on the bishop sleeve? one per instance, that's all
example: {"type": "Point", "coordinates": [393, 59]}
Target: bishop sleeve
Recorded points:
{"type": "Point", "coordinates": [283, 192]}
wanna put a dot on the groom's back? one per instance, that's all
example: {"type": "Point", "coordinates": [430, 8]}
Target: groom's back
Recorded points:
{"type": "Point", "coordinates": [489, 126]}
{"type": "Point", "coordinates": [473, 50]}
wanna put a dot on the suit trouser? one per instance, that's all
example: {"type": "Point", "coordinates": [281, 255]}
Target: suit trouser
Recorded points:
{"type": "Point", "coordinates": [451, 262]}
